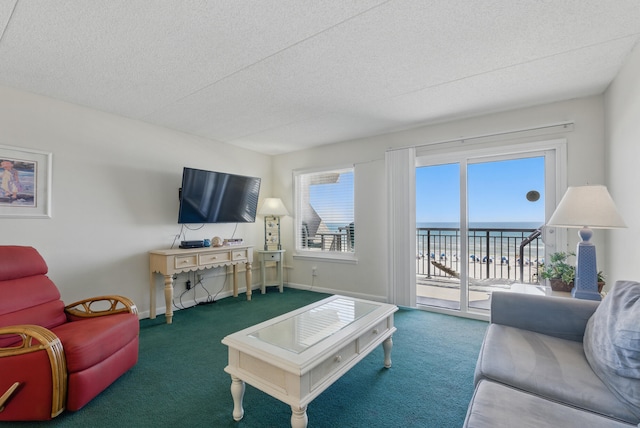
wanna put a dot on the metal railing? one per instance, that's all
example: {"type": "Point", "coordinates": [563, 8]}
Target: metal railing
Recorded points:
{"type": "Point", "coordinates": [342, 239]}
{"type": "Point", "coordinates": [501, 254]}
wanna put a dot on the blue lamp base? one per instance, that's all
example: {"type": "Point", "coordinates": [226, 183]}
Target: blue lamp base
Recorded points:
{"type": "Point", "coordinates": [586, 282]}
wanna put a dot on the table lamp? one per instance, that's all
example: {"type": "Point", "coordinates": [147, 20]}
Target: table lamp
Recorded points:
{"type": "Point", "coordinates": [272, 209]}
{"type": "Point", "coordinates": [586, 207]}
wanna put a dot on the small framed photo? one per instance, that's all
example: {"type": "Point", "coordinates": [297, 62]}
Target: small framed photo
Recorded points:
{"type": "Point", "coordinates": [25, 183]}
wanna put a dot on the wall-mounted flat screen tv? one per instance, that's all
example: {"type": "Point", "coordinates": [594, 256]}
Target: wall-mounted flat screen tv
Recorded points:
{"type": "Point", "coordinates": [217, 197]}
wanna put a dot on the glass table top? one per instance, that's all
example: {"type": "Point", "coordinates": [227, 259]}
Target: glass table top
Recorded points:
{"type": "Point", "coordinates": [304, 330]}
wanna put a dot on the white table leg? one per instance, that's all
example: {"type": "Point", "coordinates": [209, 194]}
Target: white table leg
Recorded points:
{"type": "Point", "coordinates": [152, 285]}
{"type": "Point", "coordinates": [168, 298]}
{"type": "Point", "coordinates": [299, 417]}
{"type": "Point", "coordinates": [386, 346]}
{"type": "Point", "coordinates": [248, 279]}
{"type": "Point", "coordinates": [263, 275]}
{"type": "Point", "coordinates": [237, 393]}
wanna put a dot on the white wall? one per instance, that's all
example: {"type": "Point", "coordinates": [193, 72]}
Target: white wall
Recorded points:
{"type": "Point", "coordinates": [369, 276]}
{"type": "Point", "coordinates": [115, 195]}
{"type": "Point", "coordinates": [115, 185]}
{"type": "Point", "coordinates": [622, 103]}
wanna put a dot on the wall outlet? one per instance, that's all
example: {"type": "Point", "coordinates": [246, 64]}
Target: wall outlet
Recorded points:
{"type": "Point", "coordinates": [188, 284]}
{"type": "Point", "coordinates": [200, 277]}
{"type": "Point", "coordinates": [314, 271]}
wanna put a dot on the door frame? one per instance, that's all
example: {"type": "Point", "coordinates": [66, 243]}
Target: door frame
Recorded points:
{"type": "Point", "coordinates": [555, 170]}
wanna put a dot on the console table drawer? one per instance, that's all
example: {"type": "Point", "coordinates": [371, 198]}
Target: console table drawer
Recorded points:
{"type": "Point", "coordinates": [186, 261]}
{"type": "Point", "coordinates": [372, 334]}
{"type": "Point", "coordinates": [239, 255]}
{"type": "Point", "coordinates": [332, 364]}
{"type": "Point", "coordinates": [272, 257]}
{"type": "Point", "coordinates": [212, 258]}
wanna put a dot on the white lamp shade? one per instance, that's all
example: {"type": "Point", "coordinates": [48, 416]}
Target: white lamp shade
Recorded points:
{"type": "Point", "coordinates": [589, 206]}
{"type": "Point", "coordinates": [273, 206]}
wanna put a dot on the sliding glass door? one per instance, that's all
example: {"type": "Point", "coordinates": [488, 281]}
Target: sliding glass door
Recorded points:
{"type": "Point", "coordinates": [438, 235]}
{"type": "Point", "coordinates": [479, 219]}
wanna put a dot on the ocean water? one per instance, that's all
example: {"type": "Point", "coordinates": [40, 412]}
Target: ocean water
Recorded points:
{"type": "Point", "coordinates": [530, 225]}
{"type": "Point", "coordinates": [333, 227]}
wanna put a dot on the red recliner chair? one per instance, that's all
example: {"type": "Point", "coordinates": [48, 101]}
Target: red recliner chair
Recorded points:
{"type": "Point", "coordinates": [55, 357]}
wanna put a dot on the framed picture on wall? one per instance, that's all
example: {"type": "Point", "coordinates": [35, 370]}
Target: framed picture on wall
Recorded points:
{"type": "Point", "coordinates": [25, 183]}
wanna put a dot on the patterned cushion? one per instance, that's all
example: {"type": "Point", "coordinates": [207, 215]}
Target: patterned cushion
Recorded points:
{"type": "Point", "coordinates": [612, 342]}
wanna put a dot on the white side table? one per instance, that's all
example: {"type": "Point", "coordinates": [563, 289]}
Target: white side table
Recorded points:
{"type": "Point", "coordinates": [265, 257]}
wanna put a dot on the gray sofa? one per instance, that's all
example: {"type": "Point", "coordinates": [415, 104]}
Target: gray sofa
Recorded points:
{"type": "Point", "coordinates": [560, 362]}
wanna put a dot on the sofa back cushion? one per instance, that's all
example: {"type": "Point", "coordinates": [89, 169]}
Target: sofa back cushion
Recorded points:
{"type": "Point", "coordinates": [24, 293]}
{"type": "Point", "coordinates": [20, 262]}
{"type": "Point", "coordinates": [27, 295]}
{"type": "Point", "coordinates": [612, 342]}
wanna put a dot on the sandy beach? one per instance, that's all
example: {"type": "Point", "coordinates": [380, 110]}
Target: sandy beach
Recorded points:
{"type": "Point", "coordinates": [477, 270]}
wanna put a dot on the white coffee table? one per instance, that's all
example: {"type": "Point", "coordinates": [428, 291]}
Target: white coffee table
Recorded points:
{"type": "Point", "coordinates": [296, 356]}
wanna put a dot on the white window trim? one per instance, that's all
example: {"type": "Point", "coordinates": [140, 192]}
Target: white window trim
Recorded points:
{"type": "Point", "coordinates": [330, 256]}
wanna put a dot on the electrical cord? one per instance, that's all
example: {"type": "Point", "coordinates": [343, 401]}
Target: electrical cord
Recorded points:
{"type": "Point", "coordinates": [208, 299]}
{"type": "Point", "coordinates": [182, 233]}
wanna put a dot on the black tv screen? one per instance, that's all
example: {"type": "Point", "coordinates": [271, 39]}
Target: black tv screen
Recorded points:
{"type": "Point", "coordinates": [217, 197]}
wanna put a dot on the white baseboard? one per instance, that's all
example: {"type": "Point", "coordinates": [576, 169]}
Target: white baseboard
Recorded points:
{"type": "Point", "coordinates": [382, 299]}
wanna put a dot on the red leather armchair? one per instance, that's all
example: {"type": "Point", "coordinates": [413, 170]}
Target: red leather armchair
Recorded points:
{"type": "Point", "coordinates": [55, 357]}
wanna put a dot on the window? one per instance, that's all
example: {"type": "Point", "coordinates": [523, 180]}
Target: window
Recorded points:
{"type": "Point", "coordinates": [324, 218]}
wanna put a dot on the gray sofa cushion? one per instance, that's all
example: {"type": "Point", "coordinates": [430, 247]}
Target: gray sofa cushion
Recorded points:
{"type": "Point", "coordinates": [498, 406]}
{"type": "Point", "coordinates": [550, 367]}
{"type": "Point", "coordinates": [553, 316]}
{"type": "Point", "coordinates": [612, 342]}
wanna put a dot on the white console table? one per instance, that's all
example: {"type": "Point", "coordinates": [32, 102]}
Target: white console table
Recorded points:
{"type": "Point", "coordinates": [170, 262]}
{"type": "Point", "coordinates": [275, 256]}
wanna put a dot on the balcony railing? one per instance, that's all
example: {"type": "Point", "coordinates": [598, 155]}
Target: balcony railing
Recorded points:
{"type": "Point", "coordinates": [494, 254]}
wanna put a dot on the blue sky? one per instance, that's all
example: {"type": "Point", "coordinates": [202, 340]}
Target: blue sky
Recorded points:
{"type": "Point", "coordinates": [334, 201]}
{"type": "Point", "coordinates": [497, 192]}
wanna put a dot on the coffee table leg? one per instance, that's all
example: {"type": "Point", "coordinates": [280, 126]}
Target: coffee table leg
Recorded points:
{"type": "Point", "coordinates": [237, 393]}
{"type": "Point", "coordinates": [387, 345]}
{"type": "Point", "coordinates": [299, 417]}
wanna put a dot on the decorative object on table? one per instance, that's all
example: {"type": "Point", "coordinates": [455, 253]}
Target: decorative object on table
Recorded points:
{"type": "Point", "coordinates": [233, 241]}
{"type": "Point", "coordinates": [272, 209]}
{"type": "Point", "coordinates": [561, 273]}
{"type": "Point", "coordinates": [586, 207]}
{"type": "Point", "coordinates": [216, 241]}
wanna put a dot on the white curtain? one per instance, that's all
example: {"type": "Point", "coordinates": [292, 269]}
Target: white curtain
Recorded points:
{"type": "Point", "coordinates": [401, 199]}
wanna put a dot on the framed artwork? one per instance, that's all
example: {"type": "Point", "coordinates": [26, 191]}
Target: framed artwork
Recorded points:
{"type": "Point", "coordinates": [25, 183]}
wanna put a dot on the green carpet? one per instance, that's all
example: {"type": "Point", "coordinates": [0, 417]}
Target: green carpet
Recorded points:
{"type": "Point", "coordinates": [179, 379]}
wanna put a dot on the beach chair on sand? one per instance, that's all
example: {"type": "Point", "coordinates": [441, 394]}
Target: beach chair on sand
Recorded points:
{"type": "Point", "coordinates": [453, 273]}
{"type": "Point", "coordinates": [445, 269]}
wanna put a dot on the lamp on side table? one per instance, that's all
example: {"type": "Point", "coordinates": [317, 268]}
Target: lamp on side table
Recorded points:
{"type": "Point", "coordinates": [586, 207]}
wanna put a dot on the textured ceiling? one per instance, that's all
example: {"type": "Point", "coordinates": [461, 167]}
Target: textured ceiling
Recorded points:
{"type": "Point", "coordinates": [276, 76]}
